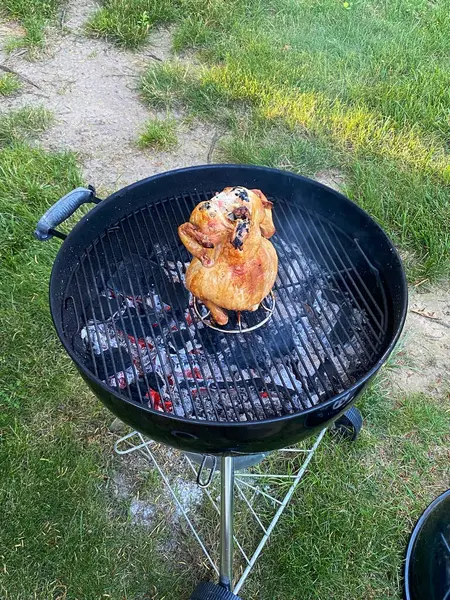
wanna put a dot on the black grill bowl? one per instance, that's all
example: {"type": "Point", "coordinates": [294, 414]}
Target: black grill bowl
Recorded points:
{"type": "Point", "coordinates": [355, 255]}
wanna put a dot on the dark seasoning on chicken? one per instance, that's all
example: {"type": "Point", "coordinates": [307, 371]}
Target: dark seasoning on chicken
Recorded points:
{"type": "Point", "coordinates": [153, 347]}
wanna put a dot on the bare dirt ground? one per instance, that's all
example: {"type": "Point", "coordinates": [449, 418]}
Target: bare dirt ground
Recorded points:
{"type": "Point", "coordinates": [423, 360]}
{"type": "Point", "coordinates": [91, 87]}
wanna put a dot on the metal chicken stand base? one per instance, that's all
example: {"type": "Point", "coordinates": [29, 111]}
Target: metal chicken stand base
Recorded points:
{"type": "Point", "coordinates": [232, 480]}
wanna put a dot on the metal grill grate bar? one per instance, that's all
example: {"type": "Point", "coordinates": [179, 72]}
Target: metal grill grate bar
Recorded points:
{"type": "Point", "coordinates": [189, 202]}
{"type": "Point", "coordinates": [331, 273]}
{"type": "Point", "coordinates": [263, 333]}
{"type": "Point", "coordinates": [189, 205]}
{"type": "Point", "coordinates": [140, 291]}
{"type": "Point", "coordinates": [127, 308]}
{"type": "Point", "coordinates": [96, 327]}
{"type": "Point", "coordinates": [362, 284]}
{"type": "Point", "coordinates": [347, 287]}
{"type": "Point", "coordinates": [320, 303]}
{"type": "Point", "coordinates": [155, 235]}
{"type": "Point", "coordinates": [176, 381]}
{"type": "Point", "coordinates": [205, 330]}
{"type": "Point", "coordinates": [106, 329]}
{"type": "Point", "coordinates": [189, 358]}
{"type": "Point", "coordinates": [85, 320]}
{"type": "Point", "coordinates": [135, 263]}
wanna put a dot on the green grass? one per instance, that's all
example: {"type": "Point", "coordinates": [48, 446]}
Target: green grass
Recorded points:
{"type": "Point", "coordinates": [35, 16]}
{"type": "Point", "coordinates": [301, 85]}
{"type": "Point", "coordinates": [275, 147]}
{"type": "Point", "coordinates": [9, 84]}
{"type": "Point", "coordinates": [158, 134]}
{"type": "Point", "coordinates": [348, 86]}
{"type": "Point", "coordinates": [345, 533]}
{"type": "Point", "coordinates": [19, 125]}
{"type": "Point", "coordinates": [128, 22]}
{"type": "Point", "coordinates": [61, 534]}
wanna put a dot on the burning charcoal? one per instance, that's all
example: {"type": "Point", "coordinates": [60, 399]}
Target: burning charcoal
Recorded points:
{"type": "Point", "coordinates": [329, 373]}
{"type": "Point", "coordinates": [246, 357]}
{"type": "Point", "coordinates": [169, 289]}
{"type": "Point", "coordinates": [123, 378]}
{"type": "Point", "coordinates": [274, 390]}
{"type": "Point", "coordinates": [160, 252]}
{"type": "Point", "coordinates": [157, 403]}
{"type": "Point", "coordinates": [331, 294]}
{"type": "Point", "coordinates": [302, 375]}
{"type": "Point", "coordinates": [176, 271]}
{"type": "Point", "coordinates": [139, 326]}
{"type": "Point", "coordinates": [79, 346]}
{"type": "Point", "coordinates": [342, 330]}
{"type": "Point", "coordinates": [177, 297]}
{"type": "Point", "coordinates": [176, 338]}
{"type": "Point", "coordinates": [102, 303]}
{"type": "Point", "coordinates": [210, 340]}
{"type": "Point", "coordinates": [211, 376]}
{"type": "Point", "coordinates": [131, 277]}
{"type": "Point", "coordinates": [142, 353]}
{"type": "Point", "coordinates": [187, 386]}
{"type": "Point", "coordinates": [154, 381]}
{"type": "Point", "coordinates": [137, 387]}
{"type": "Point", "coordinates": [85, 354]}
{"type": "Point", "coordinates": [280, 339]}
{"type": "Point", "coordinates": [115, 360]}
{"type": "Point", "coordinates": [100, 336]}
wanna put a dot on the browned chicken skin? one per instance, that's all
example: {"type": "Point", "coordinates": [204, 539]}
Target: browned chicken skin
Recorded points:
{"type": "Point", "coordinates": [234, 265]}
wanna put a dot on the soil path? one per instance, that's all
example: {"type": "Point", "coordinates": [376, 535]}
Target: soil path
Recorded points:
{"type": "Point", "coordinates": [424, 355]}
{"type": "Point", "coordinates": [90, 86]}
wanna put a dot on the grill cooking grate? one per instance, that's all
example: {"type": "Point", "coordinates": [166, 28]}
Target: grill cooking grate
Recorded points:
{"type": "Point", "coordinates": [132, 322]}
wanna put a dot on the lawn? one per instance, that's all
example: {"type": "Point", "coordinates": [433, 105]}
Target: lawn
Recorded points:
{"type": "Point", "coordinates": [361, 86]}
{"type": "Point", "coordinates": [357, 87]}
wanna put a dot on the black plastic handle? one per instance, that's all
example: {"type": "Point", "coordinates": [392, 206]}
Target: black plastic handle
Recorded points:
{"type": "Point", "coordinates": [62, 210]}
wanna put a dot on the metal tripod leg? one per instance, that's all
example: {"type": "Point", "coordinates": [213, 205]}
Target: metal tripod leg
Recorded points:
{"type": "Point", "coordinates": [226, 521]}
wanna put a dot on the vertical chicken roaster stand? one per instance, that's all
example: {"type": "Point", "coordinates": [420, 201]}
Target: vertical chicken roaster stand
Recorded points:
{"type": "Point", "coordinates": [122, 312]}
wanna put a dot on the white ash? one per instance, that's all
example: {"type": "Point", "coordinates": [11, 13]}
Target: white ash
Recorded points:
{"type": "Point", "coordinates": [142, 513]}
{"type": "Point", "coordinates": [97, 334]}
{"type": "Point", "coordinates": [189, 496]}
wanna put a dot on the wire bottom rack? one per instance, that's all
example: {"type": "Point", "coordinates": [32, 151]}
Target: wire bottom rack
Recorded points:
{"type": "Point", "coordinates": [262, 491]}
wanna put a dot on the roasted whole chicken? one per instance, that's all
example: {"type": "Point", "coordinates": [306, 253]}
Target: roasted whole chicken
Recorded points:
{"type": "Point", "coordinates": [234, 265]}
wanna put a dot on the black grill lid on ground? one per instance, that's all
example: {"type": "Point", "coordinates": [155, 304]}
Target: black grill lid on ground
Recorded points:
{"type": "Point", "coordinates": [121, 309]}
{"type": "Point", "coordinates": [427, 562]}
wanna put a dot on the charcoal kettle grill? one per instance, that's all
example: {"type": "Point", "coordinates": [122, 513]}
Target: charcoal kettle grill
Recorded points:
{"type": "Point", "coordinates": [124, 316]}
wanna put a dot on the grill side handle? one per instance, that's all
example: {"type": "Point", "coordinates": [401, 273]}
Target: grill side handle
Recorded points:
{"type": "Point", "coordinates": [62, 210]}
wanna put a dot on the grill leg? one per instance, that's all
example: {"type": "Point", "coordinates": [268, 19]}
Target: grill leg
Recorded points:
{"type": "Point", "coordinates": [226, 521]}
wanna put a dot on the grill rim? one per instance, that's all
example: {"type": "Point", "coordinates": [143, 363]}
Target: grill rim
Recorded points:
{"type": "Point", "coordinates": [56, 304]}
